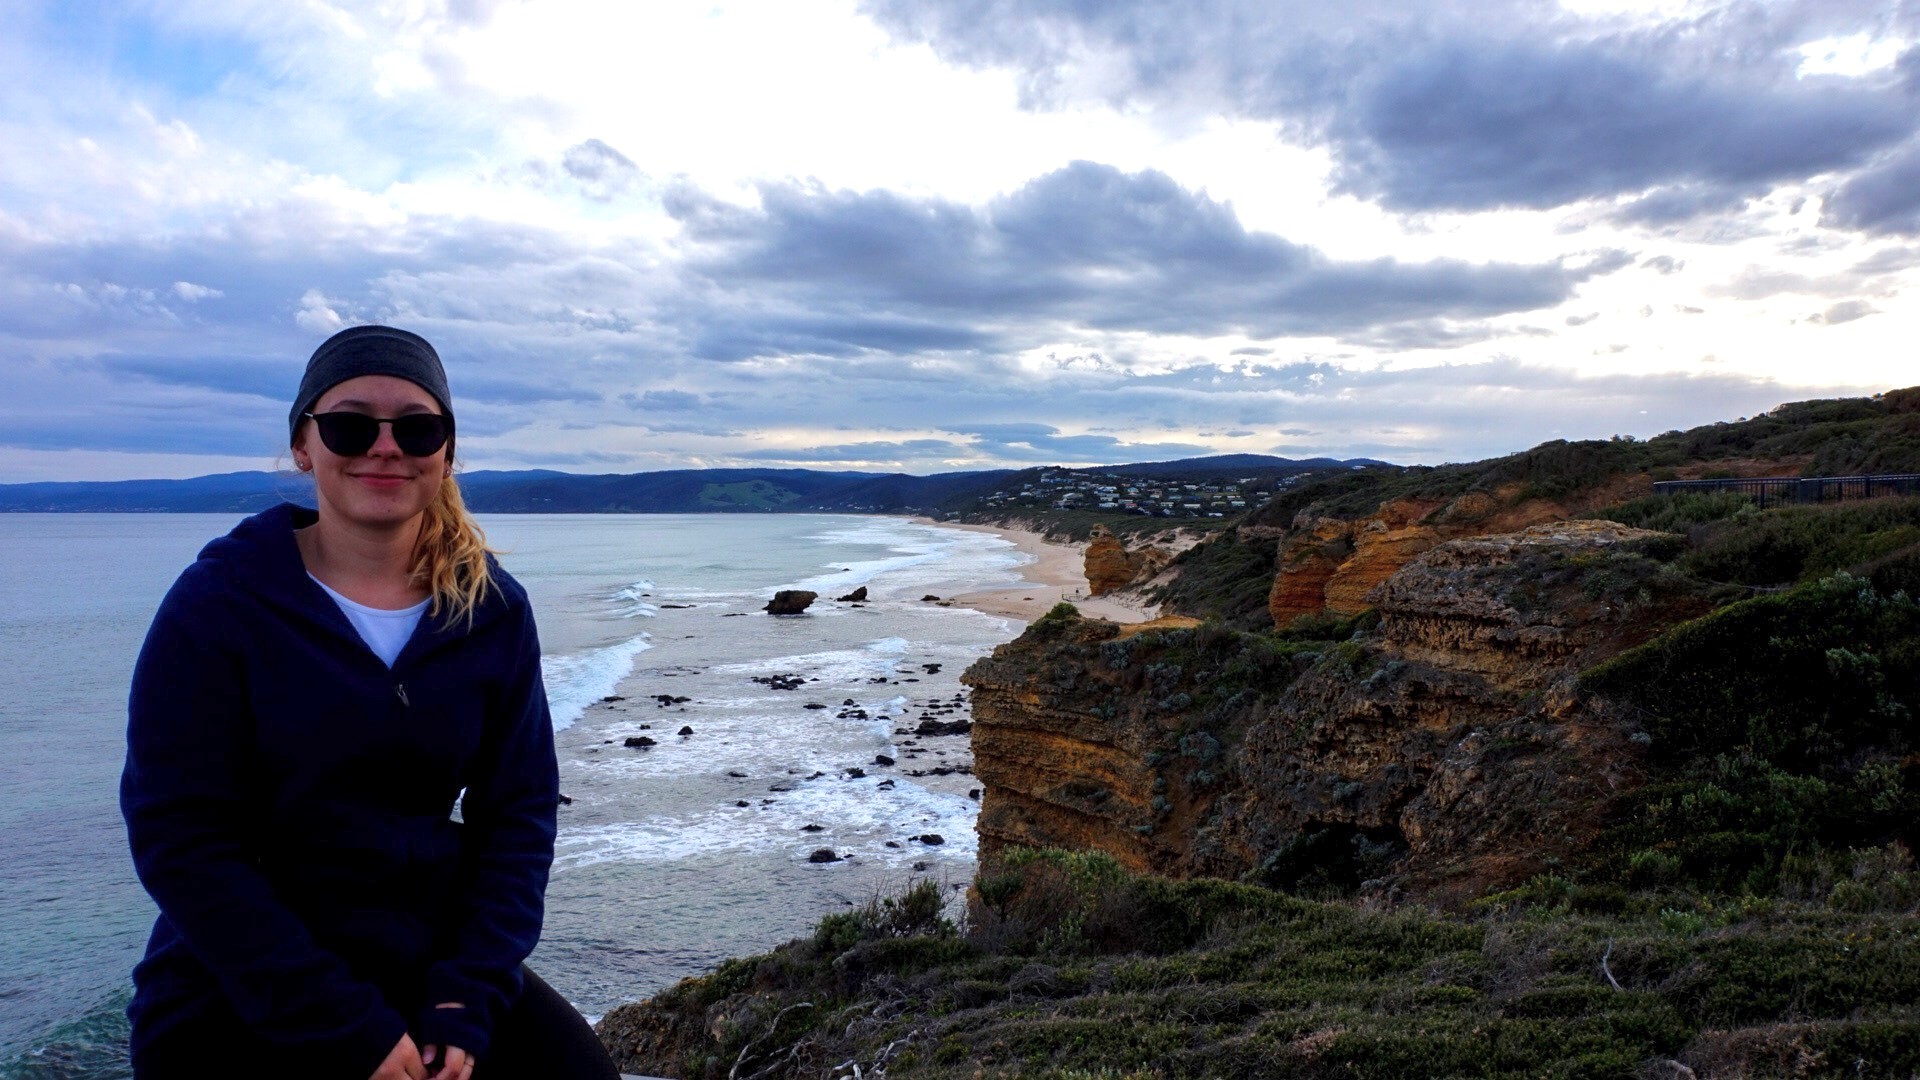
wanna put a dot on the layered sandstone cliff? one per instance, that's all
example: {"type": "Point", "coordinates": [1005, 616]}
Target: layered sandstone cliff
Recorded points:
{"type": "Point", "coordinates": [1332, 563]}
{"type": "Point", "coordinates": [1441, 752]}
{"type": "Point", "coordinates": [1111, 566]}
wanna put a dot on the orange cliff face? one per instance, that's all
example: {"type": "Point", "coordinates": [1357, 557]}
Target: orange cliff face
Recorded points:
{"type": "Point", "coordinates": [1442, 755]}
{"type": "Point", "coordinates": [1333, 564]}
{"type": "Point", "coordinates": [1111, 567]}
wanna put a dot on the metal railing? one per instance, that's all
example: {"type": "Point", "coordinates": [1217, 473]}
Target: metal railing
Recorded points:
{"type": "Point", "coordinates": [1784, 490]}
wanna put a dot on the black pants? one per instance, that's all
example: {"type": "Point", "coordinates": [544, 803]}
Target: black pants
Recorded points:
{"type": "Point", "coordinates": [541, 1038]}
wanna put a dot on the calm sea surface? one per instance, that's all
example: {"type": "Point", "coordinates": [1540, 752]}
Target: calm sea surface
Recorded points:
{"type": "Point", "coordinates": [661, 872]}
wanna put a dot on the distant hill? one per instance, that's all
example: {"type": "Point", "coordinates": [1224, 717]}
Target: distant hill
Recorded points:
{"type": "Point", "coordinates": [1235, 466]}
{"type": "Point", "coordinates": [678, 491]}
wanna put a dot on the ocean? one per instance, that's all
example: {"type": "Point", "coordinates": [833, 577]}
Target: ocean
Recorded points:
{"type": "Point", "coordinates": [671, 857]}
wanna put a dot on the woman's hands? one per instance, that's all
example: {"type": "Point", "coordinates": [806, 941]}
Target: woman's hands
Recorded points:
{"type": "Point", "coordinates": [402, 1063]}
{"type": "Point", "coordinates": [406, 1062]}
{"type": "Point", "coordinates": [458, 1064]}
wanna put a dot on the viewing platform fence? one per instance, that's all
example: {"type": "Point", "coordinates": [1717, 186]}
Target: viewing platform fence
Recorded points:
{"type": "Point", "coordinates": [1769, 491]}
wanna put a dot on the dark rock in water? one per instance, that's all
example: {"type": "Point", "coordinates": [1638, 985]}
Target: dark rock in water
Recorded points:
{"type": "Point", "coordinates": [783, 785]}
{"type": "Point", "coordinates": [921, 867]}
{"type": "Point", "coordinates": [675, 607]}
{"type": "Point", "coordinates": [950, 727]}
{"type": "Point", "coordinates": [848, 701]}
{"type": "Point", "coordinates": [974, 794]}
{"type": "Point", "coordinates": [816, 776]}
{"type": "Point", "coordinates": [811, 827]}
{"type": "Point", "coordinates": [741, 802]}
{"type": "Point", "coordinates": [611, 698]}
{"type": "Point", "coordinates": [790, 601]}
{"type": "Point", "coordinates": [780, 682]}
{"type": "Point", "coordinates": [736, 774]}
{"type": "Point", "coordinates": [815, 705]}
{"type": "Point", "coordinates": [639, 742]}
{"type": "Point", "coordinates": [566, 799]}
{"type": "Point", "coordinates": [932, 839]}
{"type": "Point", "coordinates": [823, 855]}
{"type": "Point", "coordinates": [878, 679]}
{"type": "Point", "coordinates": [686, 731]}
{"type": "Point", "coordinates": [670, 699]}
{"type": "Point", "coordinates": [733, 615]}
{"type": "Point", "coordinates": [855, 596]}
{"type": "Point", "coordinates": [893, 843]}
{"type": "Point", "coordinates": [856, 773]}
{"type": "Point", "coordinates": [931, 669]}
{"type": "Point", "coordinates": [882, 759]}
{"type": "Point", "coordinates": [928, 599]}
{"type": "Point", "coordinates": [885, 785]}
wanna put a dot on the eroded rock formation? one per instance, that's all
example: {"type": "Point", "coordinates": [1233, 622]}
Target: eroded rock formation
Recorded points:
{"type": "Point", "coordinates": [1111, 567]}
{"type": "Point", "coordinates": [791, 602]}
{"type": "Point", "coordinates": [1443, 753]}
{"type": "Point", "coordinates": [1331, 564]}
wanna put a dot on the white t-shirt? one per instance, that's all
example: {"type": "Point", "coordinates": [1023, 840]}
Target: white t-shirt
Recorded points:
{"type": "Point", "coordinates": [384, 630]}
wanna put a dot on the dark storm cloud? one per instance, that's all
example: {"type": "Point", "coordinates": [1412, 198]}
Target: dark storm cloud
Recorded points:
{"type": "Point", "coordinates": [1085, 246]}
{"type": "Point", "coordinates": [601, 171]}
{"type": "Point", "coordinates": [1043, 442]}
{"type": "Point", "coordinates": [272, 379]}
{"type": "Point", "coordinates": [909, 449]}
{"type": "Point", "coordinates": [1845, 311]}
{"type": "Point", "coordinates": [663, 400]}
{"type": "Point", "coordinates": [1884, 199]}
{"type": "Point", "coordinates": [1464, 126]}
{"type": "Point", "coordinates": [1463, 107]}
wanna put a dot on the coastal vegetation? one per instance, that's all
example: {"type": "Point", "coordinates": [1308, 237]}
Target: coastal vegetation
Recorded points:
{"type": "Point", "coordinates": [1570, 801]}
{"type": "Point", "coordinates": [1067, 966]}
{"type": "Point", "coordinates": [1748, 911]}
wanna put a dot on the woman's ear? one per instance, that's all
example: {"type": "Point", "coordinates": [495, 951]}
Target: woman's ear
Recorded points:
{"type": "Point", "coordinates": [299, 448]}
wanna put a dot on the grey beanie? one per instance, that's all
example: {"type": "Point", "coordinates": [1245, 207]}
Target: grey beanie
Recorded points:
{"type": "Point", "coordinates": [370, 350]}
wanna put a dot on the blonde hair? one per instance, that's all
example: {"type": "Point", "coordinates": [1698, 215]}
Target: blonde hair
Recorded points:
{"type": "Point", "coordinates": [450, 555]}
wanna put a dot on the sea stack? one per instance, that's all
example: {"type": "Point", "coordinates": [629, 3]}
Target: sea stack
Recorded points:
{"type": "Point", "coordinates": [790, 601]}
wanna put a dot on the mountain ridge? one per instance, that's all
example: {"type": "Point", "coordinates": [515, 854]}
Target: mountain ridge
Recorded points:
{"type": "Point", "coordinates": [668, 491]}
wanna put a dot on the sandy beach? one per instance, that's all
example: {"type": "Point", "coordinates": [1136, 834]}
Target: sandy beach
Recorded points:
{"type": "Point", "coordinates": [1057, 573]}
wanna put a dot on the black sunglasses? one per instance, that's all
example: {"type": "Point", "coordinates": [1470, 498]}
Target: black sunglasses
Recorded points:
{"type": "Point", "coordinates": [351, 434]}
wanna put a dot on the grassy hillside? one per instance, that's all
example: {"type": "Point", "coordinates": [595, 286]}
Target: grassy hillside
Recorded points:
{"type": "Point", "coordinates": [1228, 581]}
{"type": "Point", "coordinates": [1068, 968]}
{"type": "Point", "coordinates": [1837, 437]}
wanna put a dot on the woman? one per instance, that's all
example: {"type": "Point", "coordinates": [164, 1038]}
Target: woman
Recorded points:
{"type": "Point", "coordinates": [316, 692]}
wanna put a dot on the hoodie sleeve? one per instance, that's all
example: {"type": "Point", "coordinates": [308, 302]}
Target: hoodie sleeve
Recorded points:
{"type": "Point", "coordinates": [509, 816]}
{"type": "Point", "coordinates": [185, 795]}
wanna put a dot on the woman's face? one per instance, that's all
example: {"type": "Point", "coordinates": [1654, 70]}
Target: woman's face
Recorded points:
{"type": "Point", "coordinates": [383, 487]}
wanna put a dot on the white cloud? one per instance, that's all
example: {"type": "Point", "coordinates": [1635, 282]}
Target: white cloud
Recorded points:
{"type": "Point", "coordinates": [587, 204]}
{"type": "Point", "coordinates": [317, 314]}
{"type": "Point", "coordinates": [191, 293]}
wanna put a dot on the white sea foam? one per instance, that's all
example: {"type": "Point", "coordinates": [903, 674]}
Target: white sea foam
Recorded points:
{"type": "Point", "coordinates": [576, 681]}
{"type": "Point", "coordinates": [858, 817]}
{"type": "Point", "coordinates": [922, 556]}
{"type": "Point", "coordinates": [633, 600]}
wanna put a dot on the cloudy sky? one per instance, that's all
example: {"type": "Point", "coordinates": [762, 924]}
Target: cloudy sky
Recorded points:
{"type": "Point", "coordinates": [927, 235]}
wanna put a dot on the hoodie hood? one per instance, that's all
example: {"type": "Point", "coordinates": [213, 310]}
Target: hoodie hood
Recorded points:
{"type": "Point", "coordinates": [262, 556]}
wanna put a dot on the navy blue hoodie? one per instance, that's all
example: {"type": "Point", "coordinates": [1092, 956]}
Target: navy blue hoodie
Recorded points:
{"type": "Point", "coordinates": [288, 801]}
